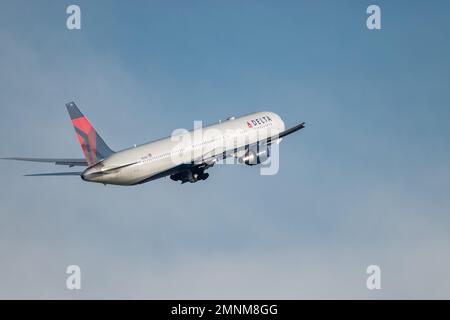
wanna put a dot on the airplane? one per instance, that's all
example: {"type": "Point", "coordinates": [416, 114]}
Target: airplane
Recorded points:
{"type": "Point", "coordinates": [248, 139]}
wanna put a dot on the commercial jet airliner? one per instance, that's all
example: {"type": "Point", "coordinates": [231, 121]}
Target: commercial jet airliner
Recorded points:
{"type": "Point", "coordinates": [184, 156]}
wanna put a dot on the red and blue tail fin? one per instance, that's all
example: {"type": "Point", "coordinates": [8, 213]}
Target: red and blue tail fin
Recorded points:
{"type": "Point", "coordinates": [94, 148]}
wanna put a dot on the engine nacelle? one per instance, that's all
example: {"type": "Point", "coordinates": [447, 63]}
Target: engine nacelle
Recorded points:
{"type": "Point", "coordinates": [253, 157]}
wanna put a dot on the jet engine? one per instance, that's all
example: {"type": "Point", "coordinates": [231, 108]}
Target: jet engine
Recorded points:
{"type": "Point", "coordinates": [254, 156]}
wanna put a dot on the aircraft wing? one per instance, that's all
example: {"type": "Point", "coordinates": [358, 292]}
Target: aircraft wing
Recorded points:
{"type": "Point", "coordinates": [210, 160]}
{"type": "Point", "coordinates": [58, 161]}
{"type": "Point", "coordinates": [286, 132]}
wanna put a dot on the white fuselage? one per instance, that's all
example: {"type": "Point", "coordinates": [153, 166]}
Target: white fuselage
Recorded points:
{"type": "Point", "coordinates": [156, 159]}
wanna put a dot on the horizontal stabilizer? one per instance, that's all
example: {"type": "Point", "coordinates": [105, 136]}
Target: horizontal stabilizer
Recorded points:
{"type": "Point", "coordinates": [54, 174]}
{"type": "Point", "coordinates": [58, 161]}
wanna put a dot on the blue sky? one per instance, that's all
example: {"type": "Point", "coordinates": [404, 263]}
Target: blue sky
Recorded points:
{"type": "Point", "coordinates": [367, 182]}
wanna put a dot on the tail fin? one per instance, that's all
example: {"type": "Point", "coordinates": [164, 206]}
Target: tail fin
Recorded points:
{"type": "Point", "coordinates": [94, 148]}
